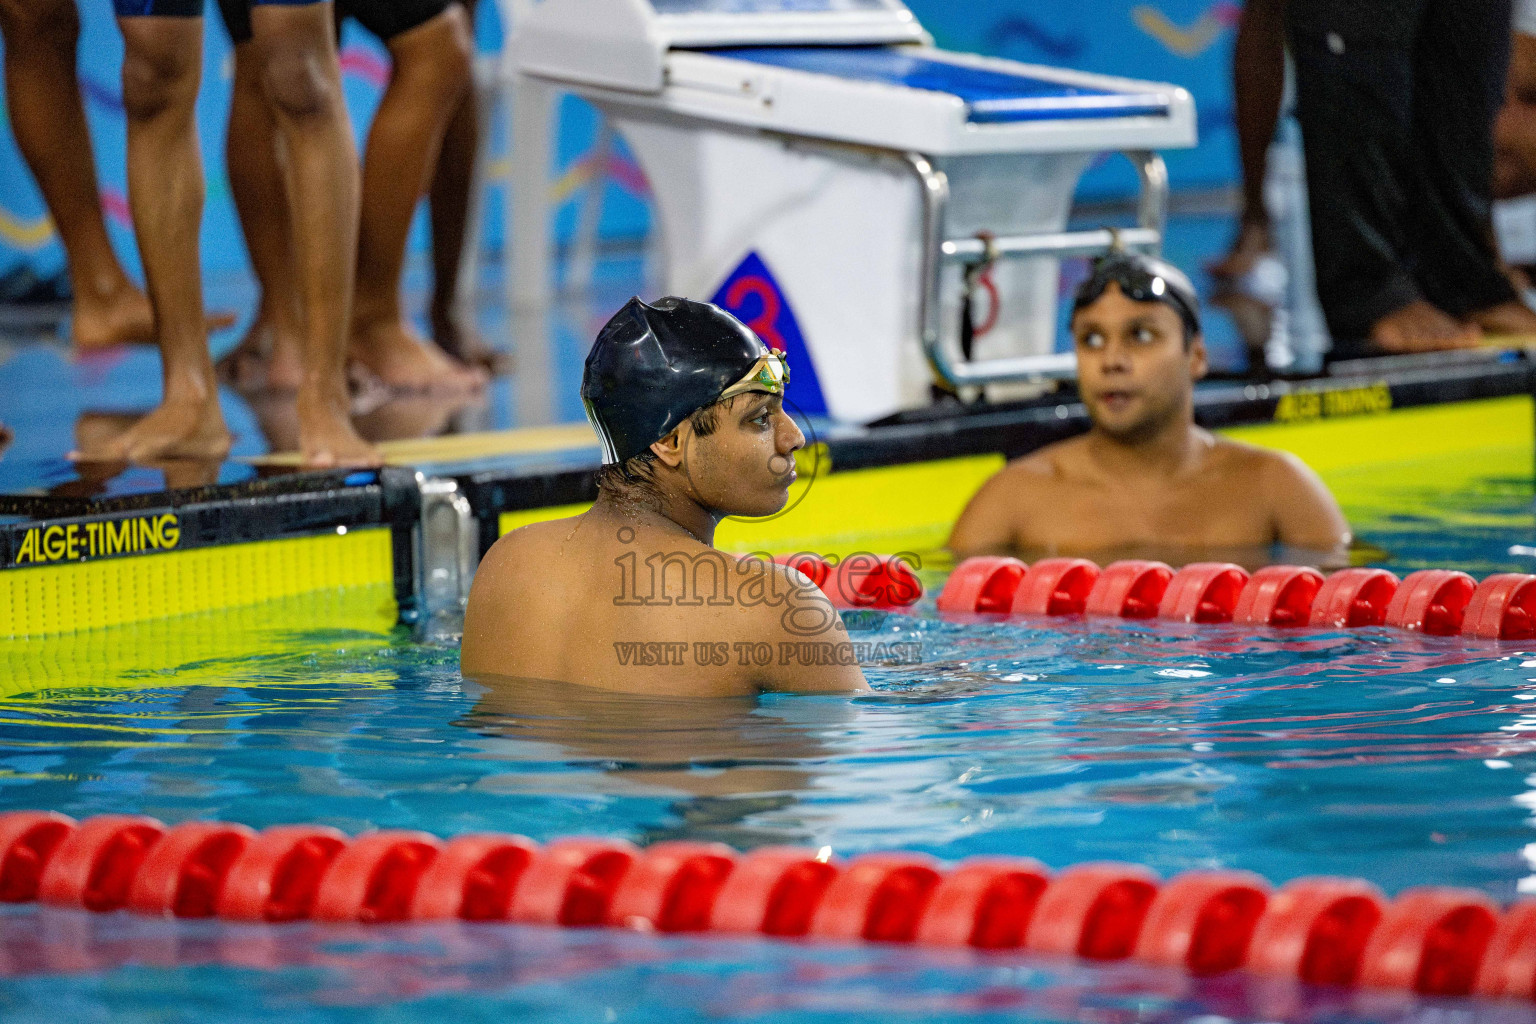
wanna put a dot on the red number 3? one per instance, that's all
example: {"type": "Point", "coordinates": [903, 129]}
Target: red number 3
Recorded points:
{"type": "Point", "coordinates": [765, 323]}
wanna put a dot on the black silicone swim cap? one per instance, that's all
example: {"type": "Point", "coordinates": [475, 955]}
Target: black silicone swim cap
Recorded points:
{"type": "Point", "coordinates": [653, 366]}
{"type": "Point", "coordinates": [1145, 279]}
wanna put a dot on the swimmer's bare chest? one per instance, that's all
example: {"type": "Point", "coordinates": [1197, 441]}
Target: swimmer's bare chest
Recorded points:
{"type": "Point", "coordinates": [1205, 511]}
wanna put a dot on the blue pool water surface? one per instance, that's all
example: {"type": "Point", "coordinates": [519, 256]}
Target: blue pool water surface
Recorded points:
{"type": "Point", "coordinates": [1402, 759]}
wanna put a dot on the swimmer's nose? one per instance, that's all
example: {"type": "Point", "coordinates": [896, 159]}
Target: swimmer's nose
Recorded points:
{"type": "Point", "coordinates": [1114, 358]}
{"type": "Point", "coordinates": [796, 438]}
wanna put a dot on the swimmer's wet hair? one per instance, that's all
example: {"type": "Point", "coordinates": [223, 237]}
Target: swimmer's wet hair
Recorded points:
{"type": "Point", "coordinates": [640, 472]}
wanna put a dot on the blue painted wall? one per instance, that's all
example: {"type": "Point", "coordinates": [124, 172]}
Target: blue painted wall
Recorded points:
{"type": "Point", "coordinates": [1183, 41]}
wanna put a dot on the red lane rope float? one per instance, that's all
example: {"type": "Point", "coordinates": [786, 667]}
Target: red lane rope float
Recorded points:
{"type": "Point", "coordinates": [1129, 590]}
{"type": "Point", "coordinates": [1509, 962]}
{"type": "Point", "coordinates": [1203, 592]}
{"type": "Point", "coordinates": [863, 580]}
{"type": "Point", "coordinates": [277, 876]}
{"type": "Point", "coordinates": [772, 891]}
{"type": "Point", "coordinates": [374, 878]}
{"type": "Point", "coordinates": [29, 839]}
{"type": "Point", "coordinates": [1093, 911]}
{"type": "Point", "coordinates": [1278, 595]}
{"type": "Point", "coordinates": [986, 902]}
{"type": "Point", "coordinates": [1203, 921]}
{"type": "Point", "coordinates": [872, 581]}
{"type": "Point", "coordinates": [672, 887]}
{"type": "Point", "coordinates": [185, 870]}
{"type": "Point", "coordinates": [1055, 586]}
{"type": "Point", "coordinates": [1503, 607]}
{"type": "Point", "coordinates": [984, 585]}
{"type": "Point", "coordinates": [1436, 602]}
{"type": "Point", "coordinates": [1352, 598]}
{"type": "Point", "coordinates": [1328, 931]}
{"type": "Point", "coordinates": [1315, 930]}
{"type": "Point", "coordinates": [472, 878]}
{"type": "Point", "coordinates": [96, 863]}
{"type": "Point", "coordinates": [1430, 940]}
{"type": "Point", "coordinates": [1431, 601]}
{"type": "Point", "coordinates": [572, 882]}
{"type": "Point", "coordinates": [879, 896]}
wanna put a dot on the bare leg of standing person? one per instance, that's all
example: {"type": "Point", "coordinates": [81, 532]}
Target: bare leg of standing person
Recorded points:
{"type": "Point", "coordinates": [162, 69]}
{"type": "Point", "coordinates": [301, 78]}
{"type": "Point", "coordinates": [1258, 82]}
{"type": "Point", "coordinates": [42, 96]}
{"type": "Point", "coordinates": [448, 203]}
{"type": "Point", "coordinates": [43, 99]}
{"type": "Point", "coordinates": [429, 79]}
{"type": "Point", "coordinates": [270, 357]}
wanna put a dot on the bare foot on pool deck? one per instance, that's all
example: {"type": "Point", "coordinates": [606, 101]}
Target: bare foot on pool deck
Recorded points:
{"type": "Point", "coordinates": [265, 360]}
{"type": "Point", "coordinates": [460, 340]}
{"type": "Point", "coordinates": [402, 360]}
{"type": "Point", "coordinates": [180, 428]}
{"type": "Point", "coordinates": [326, 436]}
{"type": "Point", "coordinates": [1252, 243]}
{"type": "Point", "coordinates": [1420, 327]}
{"type": "Point", "coordinates": [1507, 319]}
{"type": "Point", "coordinates": [121, 317]}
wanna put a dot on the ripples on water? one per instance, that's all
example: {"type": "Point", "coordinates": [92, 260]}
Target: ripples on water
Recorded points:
{"type": "Point", "coordinates": [1402, 759]}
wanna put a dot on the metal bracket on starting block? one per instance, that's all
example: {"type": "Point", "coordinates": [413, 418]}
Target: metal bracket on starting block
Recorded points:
{"type": "Point", "coordinates": [447, 549]}
{"type": "Point", "coordinates": [953, 374]}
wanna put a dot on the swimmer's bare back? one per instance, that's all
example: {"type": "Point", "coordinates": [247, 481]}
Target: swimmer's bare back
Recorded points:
{"type": "Point", "coordinates": [1227, 496]}
{"type": "Point", "coordinates": [639, 608]}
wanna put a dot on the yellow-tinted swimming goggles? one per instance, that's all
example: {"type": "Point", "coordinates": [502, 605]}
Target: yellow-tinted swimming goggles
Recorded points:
{"type": "Point", "coordinates": [770, 373]}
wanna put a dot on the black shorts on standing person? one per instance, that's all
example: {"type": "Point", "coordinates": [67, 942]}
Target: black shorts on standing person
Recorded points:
{"type": "Point", "coordinates": [384, 18]}
{"type": "Point", "coordinates": [1397, 100]}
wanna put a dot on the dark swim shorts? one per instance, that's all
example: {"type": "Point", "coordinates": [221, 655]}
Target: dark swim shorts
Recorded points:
{"type": "Point", "coordinates": [184, 8]}
{"type": "Point", "coordinates": [384, 18]}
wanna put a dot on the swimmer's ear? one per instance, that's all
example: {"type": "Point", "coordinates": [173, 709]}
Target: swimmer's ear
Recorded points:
{"type": "Point", "coordinates": [1199, 359]}
{"type": "Point", "coordinates": [669, 450]}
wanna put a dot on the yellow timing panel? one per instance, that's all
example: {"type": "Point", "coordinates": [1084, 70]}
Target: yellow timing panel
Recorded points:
{"type": "Point", "coordinates": [61, 595]}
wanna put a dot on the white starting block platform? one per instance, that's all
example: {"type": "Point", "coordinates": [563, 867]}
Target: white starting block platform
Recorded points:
{"type": "Point", "coordinates": [845, 188]}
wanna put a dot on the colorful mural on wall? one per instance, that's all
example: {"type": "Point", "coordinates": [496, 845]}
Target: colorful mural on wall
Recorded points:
{"type": "Point", "coordinates": [1184, 41]}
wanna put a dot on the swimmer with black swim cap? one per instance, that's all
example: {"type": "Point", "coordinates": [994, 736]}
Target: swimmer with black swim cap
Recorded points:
{"type": "Point", "coordinates": [632, 595]}
{"type": "Point", "coordinates": [1145, 480]}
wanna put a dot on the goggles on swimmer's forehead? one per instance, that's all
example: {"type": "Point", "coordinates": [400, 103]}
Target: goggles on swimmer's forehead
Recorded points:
{"type": "Point", "coordinates": [769, 374]}
{"type": "Point", "coordinates": [1140, 282]}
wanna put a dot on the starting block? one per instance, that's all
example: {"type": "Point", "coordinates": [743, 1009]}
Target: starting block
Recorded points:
{"type": "Point", "coordinates": [889, 214]}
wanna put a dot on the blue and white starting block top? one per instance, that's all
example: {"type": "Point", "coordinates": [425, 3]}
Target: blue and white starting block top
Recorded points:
{"type": "Point", "coordinates": [851, 70]}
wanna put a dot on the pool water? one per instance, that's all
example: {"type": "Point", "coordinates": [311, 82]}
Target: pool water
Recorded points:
{"type": "Point", "coordinates": [1402, 759]}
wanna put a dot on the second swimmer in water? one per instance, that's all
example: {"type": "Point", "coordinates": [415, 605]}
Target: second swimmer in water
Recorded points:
{"type": "Point", "coordinates": [632, 595]}
{"type": "Point", "coordinates": [1145, 480]}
